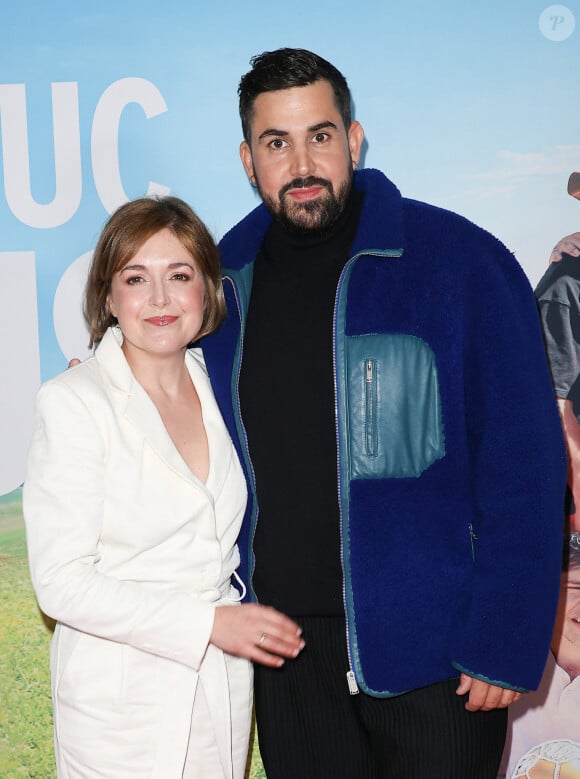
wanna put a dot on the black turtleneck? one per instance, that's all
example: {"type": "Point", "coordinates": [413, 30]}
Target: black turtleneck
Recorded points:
{"type": "Point", "coordinates": [287, 401]}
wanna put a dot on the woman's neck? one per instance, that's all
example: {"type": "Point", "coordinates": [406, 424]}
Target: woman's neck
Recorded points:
{"type": "Point", "coordinates": [158, 373]}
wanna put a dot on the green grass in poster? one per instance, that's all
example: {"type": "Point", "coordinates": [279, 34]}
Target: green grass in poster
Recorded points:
{"type": "Point", "coordinates": [26, 748]}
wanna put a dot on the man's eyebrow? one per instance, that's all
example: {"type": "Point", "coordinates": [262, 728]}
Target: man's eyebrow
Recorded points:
{"type": "Point", "coordinates": [321, 126]}
{"type": "Point", "coordinates": [272, 131]}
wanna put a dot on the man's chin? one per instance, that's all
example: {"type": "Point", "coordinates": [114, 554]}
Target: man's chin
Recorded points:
{"type": "Point", "coordinates": [309, 218]}
{"type": "Point", "coordinates": [303, 223]}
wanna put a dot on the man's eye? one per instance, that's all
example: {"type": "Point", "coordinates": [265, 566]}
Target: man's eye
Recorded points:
{"type": "Point", "coordinates": [321, 137]}
{"type": "Point", "coordinates": [277, 143]}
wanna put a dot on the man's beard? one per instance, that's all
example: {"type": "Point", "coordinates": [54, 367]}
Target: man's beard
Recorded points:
{"type": "Point", "coordinates": [310, 217]}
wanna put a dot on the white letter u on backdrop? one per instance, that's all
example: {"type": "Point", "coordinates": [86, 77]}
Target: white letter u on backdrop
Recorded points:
{"type": "Point", "coordinates": [16, 157]}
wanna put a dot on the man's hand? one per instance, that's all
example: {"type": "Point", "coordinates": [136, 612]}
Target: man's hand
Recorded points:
{"type": "Point", "coordinates": [259, 633]}
{"type": "Point", "coordinates": [484, 696]}
{"type": "Point", "coordinates": [568, 245]}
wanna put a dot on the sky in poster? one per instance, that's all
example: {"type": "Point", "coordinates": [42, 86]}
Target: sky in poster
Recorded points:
{"type": "Point", "coordinates": [474, 107]}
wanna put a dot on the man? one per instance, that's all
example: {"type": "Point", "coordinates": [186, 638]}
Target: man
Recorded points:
{"type": "Point", "coordinates": [558, 296]}
{"type": "Point", "coordinates": [382, 374]}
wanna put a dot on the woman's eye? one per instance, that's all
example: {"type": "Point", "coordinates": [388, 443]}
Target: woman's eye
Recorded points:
{"type": "Point", "coordinates": [134, 280]}
{"type": "Point", "coordinates": [180, 277]}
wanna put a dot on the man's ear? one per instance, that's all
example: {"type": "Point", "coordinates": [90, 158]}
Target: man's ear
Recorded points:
{"type": "Point", "coordinates": [246, 158]}
{"type": "Point", "coordinates": [356, 136]}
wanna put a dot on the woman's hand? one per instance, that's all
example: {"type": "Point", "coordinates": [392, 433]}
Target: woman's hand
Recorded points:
{"type": "Point", "coordinates": [259, 633]}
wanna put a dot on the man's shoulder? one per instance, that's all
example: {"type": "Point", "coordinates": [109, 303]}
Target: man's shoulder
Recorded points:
{"type": "Point", "coordinates": [443, 234]}
{"type": "Point", "coordinates": [449, 224]}
{"type": "Point", "coordinates": [561, 282]}
{"type": "Point", "coordinates": [242, 242]}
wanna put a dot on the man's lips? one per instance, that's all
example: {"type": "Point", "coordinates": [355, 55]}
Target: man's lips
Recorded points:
{"type": "Point", "coordinates": [305, 193]}
{"type": "Point", "coordinates": [161, 321]}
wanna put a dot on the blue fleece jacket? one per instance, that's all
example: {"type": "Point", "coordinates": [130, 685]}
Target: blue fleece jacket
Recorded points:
{"type": "Point", "coordinates": [451, 465]}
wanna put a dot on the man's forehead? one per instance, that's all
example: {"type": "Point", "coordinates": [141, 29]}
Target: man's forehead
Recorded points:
{"type": "Point", "coordinates": [310, 104]}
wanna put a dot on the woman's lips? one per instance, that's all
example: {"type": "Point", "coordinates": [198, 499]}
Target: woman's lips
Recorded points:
{"type": "Point", "coordinates": [161, 321]}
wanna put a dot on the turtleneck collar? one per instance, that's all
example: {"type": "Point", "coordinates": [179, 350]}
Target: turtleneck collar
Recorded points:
{"type": "Point", "coordinates": [279, 241]}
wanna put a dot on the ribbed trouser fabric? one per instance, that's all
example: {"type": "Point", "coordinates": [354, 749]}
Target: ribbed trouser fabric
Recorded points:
{"type": "Point", "coordinates": [310, 727]}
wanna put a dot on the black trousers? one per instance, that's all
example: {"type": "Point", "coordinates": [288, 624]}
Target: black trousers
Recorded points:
{"type": "Point", "coordinates": [310, 727]}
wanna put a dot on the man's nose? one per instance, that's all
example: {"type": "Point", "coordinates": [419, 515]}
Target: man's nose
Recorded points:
{"type": "Point", "coordinates": [302, 162]}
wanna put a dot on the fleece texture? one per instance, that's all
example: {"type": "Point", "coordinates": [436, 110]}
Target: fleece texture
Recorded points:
{"type": "Point", "coordinates": [455, 564]}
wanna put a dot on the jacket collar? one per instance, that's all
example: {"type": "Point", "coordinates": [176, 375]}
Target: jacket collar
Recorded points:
{"type": "Point", "coordinates": [380, 225]}
{"type": "Point", "coordinates": [136, 405]}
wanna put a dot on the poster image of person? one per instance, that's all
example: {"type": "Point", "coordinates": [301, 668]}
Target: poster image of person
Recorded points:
{"type": "Point", "coordinates": [552, 712]}
{"type": "Point", "coordinates": [558, 296]}
{"type": "Point", "coordinates": [559, 759]}
{"type": "Point", "coordinates": [544, 726]}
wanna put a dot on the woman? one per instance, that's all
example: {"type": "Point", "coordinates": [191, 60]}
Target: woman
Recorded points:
{"type": "Point", "coordinates": [133, 501]}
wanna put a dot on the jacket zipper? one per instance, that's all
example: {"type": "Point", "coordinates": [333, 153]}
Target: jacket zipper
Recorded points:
{"type": "Point", "coordinates": [353, 687]}
{"type": "Point", "coordinates": [244, 439]}
{"type": "Point", "coordinates": [370, 407]}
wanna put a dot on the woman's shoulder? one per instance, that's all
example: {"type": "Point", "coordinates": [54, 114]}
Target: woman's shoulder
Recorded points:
{"type": "Point", "coordinates": [75, 378]}
{"type": "Point", "coordinates": [76, 391]}
{"type": "Point", "coordinates": [105, 367]}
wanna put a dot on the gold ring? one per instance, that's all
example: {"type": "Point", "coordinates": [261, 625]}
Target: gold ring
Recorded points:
{"type": "Point", "coordinates": [262, 638]}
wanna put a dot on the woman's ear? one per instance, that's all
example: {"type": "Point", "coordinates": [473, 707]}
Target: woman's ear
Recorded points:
{"type": "Point", "coordinates": [111, 306]}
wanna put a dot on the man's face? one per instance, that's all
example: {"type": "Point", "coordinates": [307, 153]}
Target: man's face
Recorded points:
{"type": "Point", "coordinates": [300, 156]}
{"type": "Point", "coordinates": [566, 639]}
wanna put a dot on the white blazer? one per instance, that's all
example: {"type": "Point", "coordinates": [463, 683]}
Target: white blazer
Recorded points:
{"type": "Point", "coordinates": [127, 545]}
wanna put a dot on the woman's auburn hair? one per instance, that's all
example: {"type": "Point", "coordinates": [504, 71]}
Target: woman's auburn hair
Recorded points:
{"type": "Point", "coordinates": [125, 232]}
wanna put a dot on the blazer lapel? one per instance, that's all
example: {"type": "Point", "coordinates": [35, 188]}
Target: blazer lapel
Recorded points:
{"type": "Point", "coordinates": [135, 405]}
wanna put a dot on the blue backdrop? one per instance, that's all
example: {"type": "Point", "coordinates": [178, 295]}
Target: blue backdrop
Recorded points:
{"type": "Point", "coordinates": [474, 108]}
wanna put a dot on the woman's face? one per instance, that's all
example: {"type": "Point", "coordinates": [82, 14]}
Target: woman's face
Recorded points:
{"type": "Point", "coordinates": [158, 298]}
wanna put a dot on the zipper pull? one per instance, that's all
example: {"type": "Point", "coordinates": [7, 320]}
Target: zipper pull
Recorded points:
{"type": "Point", "coordinates": [352, 685]}
{"type": "Point", "coordinates": [369, 371]}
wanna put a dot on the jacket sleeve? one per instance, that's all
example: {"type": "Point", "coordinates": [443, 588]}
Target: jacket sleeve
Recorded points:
{"type": "Point", "coordinates": [63, 502]}
{"type": "Point", "coordinates": [558, 295]}
{"type": "Point", "coordinates": [518, 471]}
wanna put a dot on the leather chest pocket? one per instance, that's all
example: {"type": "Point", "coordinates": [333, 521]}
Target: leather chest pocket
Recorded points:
{"type": "Point", "coordinates": [394, 406]}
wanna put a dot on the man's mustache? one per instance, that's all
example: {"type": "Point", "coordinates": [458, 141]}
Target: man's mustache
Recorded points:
{"type": "Point", "coordinates": [303, 183]}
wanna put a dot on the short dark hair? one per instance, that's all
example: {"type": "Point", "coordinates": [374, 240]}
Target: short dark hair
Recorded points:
{"type": "Point", "coordinates": [571, 557]}
{"type": "Point", "coordinates": [286, 68]}
{"type": "Point", "coordinates": [125, 232]}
